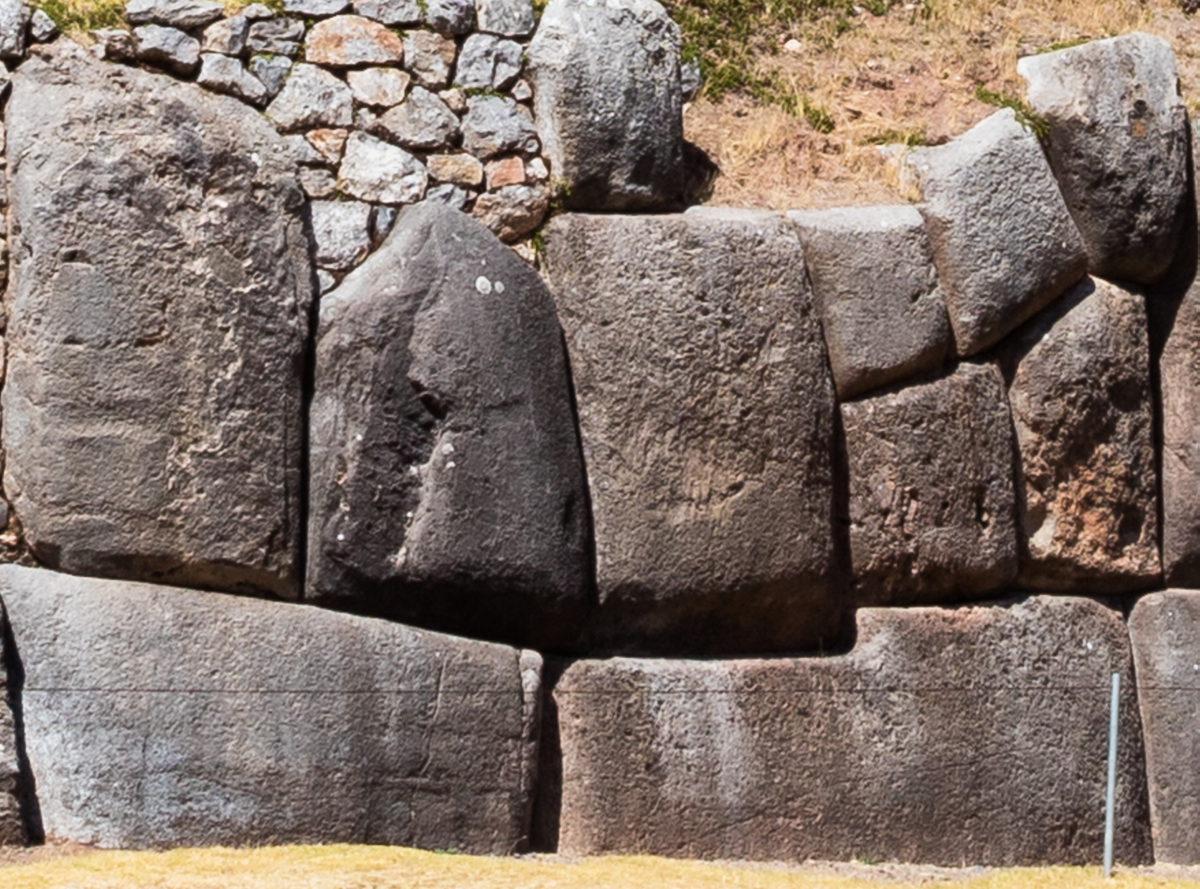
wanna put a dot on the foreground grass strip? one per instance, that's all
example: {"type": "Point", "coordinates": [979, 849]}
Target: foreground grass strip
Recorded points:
{"type": "Point", "coordinates": [378, 867]}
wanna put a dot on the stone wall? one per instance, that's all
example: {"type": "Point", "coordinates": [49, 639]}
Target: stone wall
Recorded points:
{"type": "Point", "coordinates": [831, 526]}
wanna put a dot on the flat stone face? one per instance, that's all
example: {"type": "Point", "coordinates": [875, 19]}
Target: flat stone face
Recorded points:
{"type": "Point", "coordinates": [373, 170]}
{"type": "Point", "coordinates": [1003, 241]}
{"type": "Point", "coordinates": [166, 717]}
{"type": "Point", "coordinates": [447, 486]}
{"type": "Point", "coordinates": [496, 124]}
{"type": "Point", "coordinates": [508, 18]}
{"type": "Point", "coordinates": [311, 97]}
{"type": "Point", "coordinates": [932, 507]}
{"type": "Point", "coordinates": [223, 74]}
{"type": "Point", "coordinates": [421, 121]}
{"type": "Point", "coordinates": [281, 36]}
{"type": "Point", "coordinates": [382, 87]}
{"type": "Point", "coordinates": [1118, 143]}
{"type": "Point", "coordinates": [608, 101]}
{"type": "Point", "coordinates": [946, 736]}
{"type": "Point", "coordinates": [487, 62]}
{"type": "Point", "coordinates": [390, 12]}
{"type": "Point", "coordinates": [157, 321]}
{"type": "Point", "coordinates": [1165, 629]}
{"type": "Point", "coordinates": [430, 57]}
{"type": "Point", "coordinates": [14, 23]}
{"type": "Point", "coordinates": [168, 47]}
{"type": "Point", "coordinates": [347, 40]}
{"type": "Point", "coordinates": [12, 825]}
{"type": "Point", "coordinates": [707, 419]}
{"type": "Point", "coordinates": [185, 14]}
{"type": "Point", "coordinates": [881, 308]}
{"type": "Point", "coordinates": [1083, 412]}
{"type": "Point", "coordinates": [340, 233]}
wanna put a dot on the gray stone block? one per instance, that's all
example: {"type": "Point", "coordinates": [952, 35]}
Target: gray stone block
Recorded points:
{"type": "Point", "coordinates": [609, 108]}
{"type": "Point", "coordinates": [157, 324]}
{"type": "Point", "coordinates": [447, 485]}
{"type": "Point", "coordinates": [947, 736]}
{"type": "Point", "coordinates": [12, 823]}
{"type": "Point", "coordinates": [1118, 143]}
{"type": "Point", "coordinates": [881, 308]}
{"type": "Point", "coordinates": [1165, 630]}
{"type": "Point", "coordinates": [932, 508]}
{"type": "Point", "coordinates": [1087, 487]}
{"type": "Point", "coordinates": [706, 412]}
{"type": "Point", "coordinates": [164, 717]}
{"type": "Point", "coordinates": [1003, 242]}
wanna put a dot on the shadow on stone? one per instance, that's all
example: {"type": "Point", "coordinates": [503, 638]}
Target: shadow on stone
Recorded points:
{"type": "Point", "coordinates": [27, 800]}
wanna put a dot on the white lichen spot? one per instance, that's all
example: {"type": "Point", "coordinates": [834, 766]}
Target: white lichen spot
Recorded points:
{"type": "Point", "coordinates": [341, 537]}
{"type": "Point", "coordinates": [1088, 645]}
{"type": "Point", "coordinates": [447, 449]}
{"type": "Point", "coordinates": [450, 465]}
{"type": "Point", "coordinates": [358, 437]}
{"type": "Point", "coordinates": [483, 285]}
{"type": "Point", "coordinates": [499, 285]}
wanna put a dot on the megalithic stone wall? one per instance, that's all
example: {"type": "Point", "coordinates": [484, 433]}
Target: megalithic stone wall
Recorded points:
{"type": "Point", "coordinates": [235, 347]}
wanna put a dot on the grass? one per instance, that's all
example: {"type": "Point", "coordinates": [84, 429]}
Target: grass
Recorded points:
{"type": "Point", "coordinates": [359, 867]}
{"type": "Point", "coordinates": [78, 16]}
{"type": "Point", "coordinates": [1026, 116]}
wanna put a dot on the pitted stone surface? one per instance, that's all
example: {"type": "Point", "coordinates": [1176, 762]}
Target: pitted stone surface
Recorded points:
{"type": "Point", "coordinates": [421, 121]}
{"type": "Point", "coordinates": [496, 124]}
{"type": "Point", "coordinates": [314, 7]}
{"type": "Point", "coordinates": [373, 170]}
{"type": "Point", "coordinates": [348, 40]}
{"type": "Point", "coordinates": [157, 321]}
{"type": "Point", "coordinates": [508, 18]}
{"type": "Point", "coordinates": [488, 62]}
{"type": "Point", "coordinates": [227, 36]}
{"type": "Point", "coordinates": [609, 107]}
{"type": "Point", "coordinates": [223, 74]}
{"type": "Point", "coordinates": [271, 71]}
{"type": "Point", "coordinates": [450, 16]}
{"type": "Point", "coordinates": [447, 485]}
{"type": "Point", "coordinates": [382, 87]}
{"type": "Point", "coordinates": [281, 36]}
{"type": "Point", "coordinates": [12, 822]}
{"type": "Point", "coordinates": [158, 716]}
{"type": "Point", "coordinates": [513, 211]}
{"type": "Point", "coordinates": [168, 47]}
{"type": "Point", "coordinates": [883, 313]}
{"type": "Point", "coordinates": [340, 233]}
{"type": "Point", "coordinates": [706, 412]}
{"type": "Point", "coordinates": [390, 12]}
{"type": "Point", "coordinates": [185, 14]}
{"type": "Point", "coordinates": [1118, 143]}
{"type": "Point", "coordinates": [932, 505]}
{"type": "Point", "coordinates": [14, 25]}
{"type": "Point", "coordinates": [430, 57]}
{"type": "Point", "coordinates": [1003, 242]}
{"type": "Point", "coordinates": [1165, 630]}
{"type": "Point", "coordinates": [946, 736]}
{"type": "Point", "coordinates": [311, 97]}
{"type": "Point", "coordinates": [1083, 412]}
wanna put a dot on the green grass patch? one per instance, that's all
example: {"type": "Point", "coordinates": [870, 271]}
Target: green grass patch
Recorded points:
{"type": "Point", "coordinates": [75, 16]}
{"type": "Point", "coordinates": [1026, 116]}
{"type": "Point", "coordinates": [910, 138]}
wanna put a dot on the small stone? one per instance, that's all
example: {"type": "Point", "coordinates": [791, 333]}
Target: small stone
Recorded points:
{"type": "Point", "coordinates": [507, 171]}
{"type": "Point", "coordinates": [14, 23]}
{"type": "Point", "coordinates": [690, 80]}
{"type": "Point", "coordinates": [272, 71]}
{"type": "Point", "coordinates": [508, 18]}
{"type": "Point", "coordinates": [367, 120]}
{"type": "Point", "coordinates": [450, 195]}
{"type": "Point", "coordinates": [41, 27]}
{"type": "Point", "coordinates": [381, 87]}
{"type": "Point", "coordinates": [114, 44]}
{"type": "Point", "coordinates": [450, 16]}
{"type": "Point", "coordinates": [455, 99]}
{"type": "Point", "coordinates": [390, 12]}
{"type": "Point", "coordinates": [317, 182]}
{"type": "Point", "coordinates": [329, 144]}
{"type": "Point", "coordinates": [535, 170]}
{"type": "Point", "coordinates": [227, 36]}
{"type": "Point", "coordinates": [495, 124]}
{"type": "Point", "coordinates": [430, 57]}
{"type": "Point", "coordinates": [312, 97]}
{"type": "Point", "coordinates": [458, 169]}
{"type": "Point", "coordinates": [383, 218]}
{"type": "Point", "coordinates": [168, 47]}
{"type": "Point", "coordinates": [340, 233]}
{"type": "Point", "coordinates": [309, 8]}
{"type": "Point", "coordinates": [513, 211]}
{"type": "Point", "coordinates": [421, 121]}
{"type": "Point", "coordinates": [488, 62]}
{"type": "Point", "coordinates": [521, 91]}
{"type": "Point", "coordinates": [281, 36]}
{"type": "Point", "coordinates": [303, 152]}
{"type": "Point", "coordinates": [375, 171]}
{"type": "Point", "coordinates": [257, 12]}
{"type": "Point", "coordinates": [184, 14]}
{"type": "Point", "coordinates": [223, 74]}
{"type": "Point", "coordinates": [348, 40]}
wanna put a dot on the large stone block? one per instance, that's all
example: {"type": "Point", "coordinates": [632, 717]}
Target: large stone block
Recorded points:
{"type": "Point", "coordinates": [1003, 241]}
{"type": "Point", "coordinates": [12, 824]}
{"type": "Point", "coordinates": [1165, 629]}
{"type": "Point", "coordinates": [609, 104]}
{"type": "Point", "coordinates": [882, 310]}
{"type": "Point", "coordinates": [932, 508]}
{"type": "Point", "coordinates": [158, 311]}
{"type": "Point", "coordinates": [1087, 487]}
{"type": "Point", "coordinates": [162, 717]}
{"type": "Point", "coordinates": [1118, 143]}
{"type": "Point", "coordinates": [447, 480]}
{"type": "Point", "coordinates": [706, 412]}
{"type": "Point", "coordinates": [946, 736]}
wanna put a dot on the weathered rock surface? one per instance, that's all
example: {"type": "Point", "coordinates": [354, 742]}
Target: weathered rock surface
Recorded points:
{"type": "Point", "coordinates": [429, 57]}
{"type": "Point", "coordinates": [168, 47]}
{"type": "Point", "coordinates": [347, 40]}
{"type": "Point", "coordinates": [14, 25]}
{"type": "Point", "coordinates": [1165, 630]}
{"type": "Point", "coordinates": [314, 7]}
{"type": "Point", "coordinates": [513, 211]}
{"type": "Point", "coordinates": [1084, 418]}
{"type": "Point", "coordinates": [223, 74]}
{"type": "Point", "coordinates": [373, 170]}
{"type": "Point", "coordinates": [227, 36]}
{"type": "Point", "coordinates": [932, 507]}
{"type": "Point", "coordinates": [281, 36]}
{"type": "Point", "coordinates": [496, 124]}
{"type": "Point", "coordinates": [706, 412]}
{"type": "Point", "coordinates": [186, 14]}
{"type": "Point", "coordinates": [166, 717]}
{"type": "Point", "coordinates": [1003, 242]}
{"type": "Point", "coordinates": [421, 121]}
{"type": "Point", "coordinates": [340, 233]}
{"type": "Point", "coordinates": [946, 736]}
{"type": "Point", "coordinates": [12, 824]}
{"type": "Point", "coordinates": [42, 28]}
{"type": "Point", "coordinates": [312, 97]}
{"type": "Point", "coordinates": [382, 87]}
{"type": "Point", "coordinates": [390, 12]}
{"type": "Point", "coordinates": [882, 310]}
{"type": "Point", "coordinates": [508, 18]}
{"type": "Point", "coordinates": [272, 71]}
{"type": "Point", "coordinates": [157, 321]}
{"type": "Point", "coordinates": [608, 102]}
{"type": "Point", "coordinates": [488, 62]}
{"type": "Point", "coordinates": [450, 16]}
{"type": "Point", "coordinates": [460, 169]}
{"type": "Point", "coordinates": [447, 484]}
{"type": "Point", "coordinates": [1118, 143]}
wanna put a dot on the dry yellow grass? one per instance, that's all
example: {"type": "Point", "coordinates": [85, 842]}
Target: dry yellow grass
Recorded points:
{"type": "Point", "coordinates": [359, 867]}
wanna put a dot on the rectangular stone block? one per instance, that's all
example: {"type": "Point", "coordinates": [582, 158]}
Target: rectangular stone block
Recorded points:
{"type": "Point", "coordinates": [706, 415]}
{"type": "Point", "coordinates": [1165, 629]}
{"type": "Point", "coordinates": [160, 717]}
{"type": "Point", "coordinates": [947, 736]}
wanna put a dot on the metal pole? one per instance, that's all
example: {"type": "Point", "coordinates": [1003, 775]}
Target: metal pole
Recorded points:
{"type": "Point", "coordinates": [1110, 805]}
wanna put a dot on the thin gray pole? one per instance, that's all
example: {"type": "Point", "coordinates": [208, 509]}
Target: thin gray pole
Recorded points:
{"type": "Point", "coordinates": [1110, 806]}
